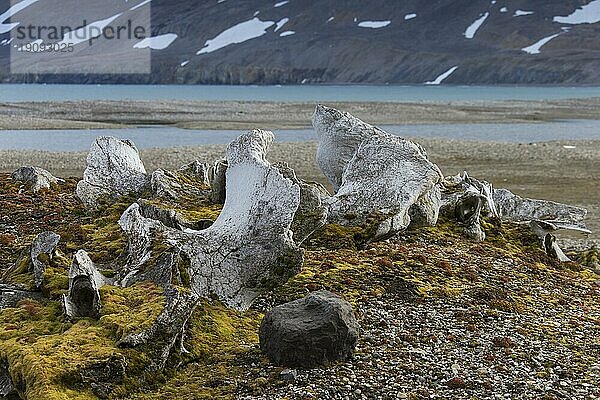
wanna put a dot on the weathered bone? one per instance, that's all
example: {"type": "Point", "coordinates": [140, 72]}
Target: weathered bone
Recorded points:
{"type": "Point", "coordinates": [44, 243]}
{"type": "Point", "coordinates": [543, 228]}
{"type": "Point", "coordinates": [217, 183]}
{"type": "Point", "coordinates": [83, 299]}
{"type": "Point", "coordinates": [113, 169]}
{"type": "Point", "coordinates": [249, 248]}
{"type": "Point", "coordinates": [168, 327]}
{"type": "Point", "coordinates": [377, 176]}
{"type": "Point", "coordinates": [312, 212]}
{"type": "Point", "coordinates": [35, 178]}
{"type": "Point", "coordinates": [515, 208]}
{"type": "Point", "coordinates": [384, 178]}
{"type": "Point", "coordinates": [340, 134]}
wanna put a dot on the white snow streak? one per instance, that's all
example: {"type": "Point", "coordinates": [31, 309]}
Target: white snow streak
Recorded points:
{"type": "Point", "coordinates": [535, 48]}
{"type": "Point", "coordinates": [281, 23]}
{"type": "Point", "coordinates": [587, 14]}
{"type": "Point", "coordinates": [237, 34]}
{"type": "Point", "coordinates": [443, 76]}
{"type": "Point", "coordinates": [12, 11]}
{"type": "Point", "coordinates": [520, 13]}
{"type": "Point", "coordinates": [287, 33]}
{"type": "Point", "coordinates": [472, 29]}
{"type": "Point", "coordinates": [409, 16]}
{"type": "Point", "coordinates": [373, 24]}
{"type": "Point", "coordinates": [281, 3]}
{"type": "Point", "coordinates": [156, 42]}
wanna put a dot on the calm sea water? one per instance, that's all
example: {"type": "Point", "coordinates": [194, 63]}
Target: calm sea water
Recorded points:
{"type": "Point", "coordinates": [148, 137]}
{"type": "Point", "coordinates": [310, 93]}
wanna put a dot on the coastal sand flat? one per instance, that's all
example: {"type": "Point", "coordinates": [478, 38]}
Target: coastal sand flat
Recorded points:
{"type": "Point", "coordinates": [279, 115]}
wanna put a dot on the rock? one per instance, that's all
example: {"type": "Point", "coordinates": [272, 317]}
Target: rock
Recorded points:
{"type": "Point", "coordinates": [114, 169]}
{"type": "Point", "coordinates": [340, 134]}
{"type": "Point", "coordinates": [249, 248]}
{"type": "Point", "coordinates": [217, 183]}
{"type": "Point", "coordinates": [288, 375]}
{"type": "Point", "coordinates": [12, 294]}
{"type": "Point", "coordinates": [7, 388]}
{"type": "Point", "coordinates": [312, 212]}
{"type": "Point", "coordinates": [190, 180]}
{"type": "Point", "coordinates": [384, 179]}
{"type": "Point", "coordinates": [43, 244]}
{"type": "Point", "coordinates": [315, 330]}
{"type": "Point", "coordinates": [35, 178]}
{"type": "Point", "coordinates": [515, 208]}
{"type": "Point", "coordinates": [83, 299]}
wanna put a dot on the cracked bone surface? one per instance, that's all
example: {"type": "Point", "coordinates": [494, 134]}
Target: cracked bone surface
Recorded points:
{"type": "Point", "coordinates": [377, 176]}
{"type": "Point", "coordinates": [83, 299]}
{"type": "Point", "coordinates": [249, 248]}
{"type": "Point", "coordinates": [43, 243]}
{"type": "Point", "coordinates": [114, 169]}
{"type": "Point", "coordinates": [35, 178]}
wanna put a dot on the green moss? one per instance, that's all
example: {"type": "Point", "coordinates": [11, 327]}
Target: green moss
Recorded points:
{"type": "Point", "coordinates": [46, 352]}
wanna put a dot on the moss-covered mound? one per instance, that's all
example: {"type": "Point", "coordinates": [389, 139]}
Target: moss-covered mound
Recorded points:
{"type": "Point", "coordinates": [49, 357]}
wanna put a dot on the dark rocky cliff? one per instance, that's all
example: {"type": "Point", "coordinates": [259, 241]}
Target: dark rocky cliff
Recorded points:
{"type": "Point", "coordinates": [328, 45]}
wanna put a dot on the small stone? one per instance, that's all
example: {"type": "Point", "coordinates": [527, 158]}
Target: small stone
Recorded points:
{"type": "Point", "coordinates": [288, 375]}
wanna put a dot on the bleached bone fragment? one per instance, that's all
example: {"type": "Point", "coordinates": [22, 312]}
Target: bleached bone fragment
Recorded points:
{"type": "Point", "coordinates": [218, 181]}
{"type": "Point", "coordinates": [35, 178]}
{"type": "Point", "coordinates": [114, 169]}
{"type": "Point", "coordinates": [44, 243]}
{"type": "Point", "coordinates": [516, 208]}
{"type": "Point", "coordinates": [249, 248]}
{"type": "Point", "coordinates": [340, 134]}
{"type": "Point", "coordinates": [83, 299]}
{"type": "Point", "coordinates": [543, 231]}
{"type": "Point", "coordinates": [385, 177]}
{"type": "Point", "coordinates": [312, 211]}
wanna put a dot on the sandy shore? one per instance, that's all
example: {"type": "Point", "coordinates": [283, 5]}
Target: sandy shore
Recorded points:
{"type": "Point", "coordinates": [277, 115]}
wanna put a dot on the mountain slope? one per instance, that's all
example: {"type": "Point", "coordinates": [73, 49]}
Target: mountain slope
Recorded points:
{"type": "Point", "coordinates": [377, 42]}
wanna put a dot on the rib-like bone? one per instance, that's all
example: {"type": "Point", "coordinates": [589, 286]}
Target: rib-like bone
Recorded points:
{"type": "Point", "coordinates": [83, 299]}
{"type": "Point", "coordinates": [249, 248]}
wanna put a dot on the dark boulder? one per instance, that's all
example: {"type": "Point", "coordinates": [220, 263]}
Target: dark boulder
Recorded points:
{"type": "Point", "coordinates": [318, 329]}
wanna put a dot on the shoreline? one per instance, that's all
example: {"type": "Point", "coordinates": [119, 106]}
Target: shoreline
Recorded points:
{"type": "Point", "coordinates": [242, 115]}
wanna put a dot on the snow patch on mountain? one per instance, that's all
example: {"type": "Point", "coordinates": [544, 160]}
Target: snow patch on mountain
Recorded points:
{"type": "Point", "coordinates": [143, 3]}
{"type": "Point", "coordinates": [441, 77]}
{"type": "Point", "coordinates": [503, 10]}
{"type": "Point", "coordinates": [374, 24]}
{"type": "Point", "coordinates": [281, 3]}
{"type": "Point", "coordinates": [90, 31]}
{"type": "Point", "coordinates": [4, 28]}
{"type": "Point", "coordinates": [239, 33]}
{"type": "Point", "coordinates": [409, 16]}
{"type": "Point", "coordinates": [520, 13]}
{"type": "Point", "coordinates": [156, 42]}
{"type": "Point", "coordinates": [535, 48]}
{"type": "Point", "coordinates": [472, 29]}
{"type": "Point", "coordinates": [587, 14]}
{"type": "Point", "coordinates": [287, 33]}
{"type": "Point", "coordinates": [281, 23]}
